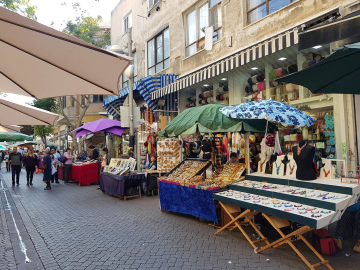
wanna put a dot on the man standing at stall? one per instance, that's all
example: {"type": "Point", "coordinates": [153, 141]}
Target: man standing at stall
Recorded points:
{"type": "Point", "coordinates": [95, 153]}
{"type": "Point", "coordinates": [16, 159]}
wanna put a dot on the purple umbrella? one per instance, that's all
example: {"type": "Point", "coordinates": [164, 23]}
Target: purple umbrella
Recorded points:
{"type": "Point", "coordinates": [114, 130]}
{"type": "Point", "coordinates": [99, 125]}
{"type": "Point", "coordinates": [104, 124]}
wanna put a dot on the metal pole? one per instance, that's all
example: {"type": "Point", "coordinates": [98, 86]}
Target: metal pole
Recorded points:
{"type": "Point", "coordinates": [130, 87]}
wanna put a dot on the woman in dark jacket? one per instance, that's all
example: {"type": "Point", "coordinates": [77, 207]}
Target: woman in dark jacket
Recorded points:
{"type": "Point", "coordinates": [30, 163]}
{"type": "Point", "coordinates": [47, 172]}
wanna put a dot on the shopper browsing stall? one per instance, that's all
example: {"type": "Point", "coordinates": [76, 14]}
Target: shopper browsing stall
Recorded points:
{"type": "Point", "coordinates": [67, 165]}
{"type": "Point", "coordinates": [56, 158]}
{"type": "Point", "coordinates": [104, 158]}
{"type": "Point", "coordinates": [54, 175]}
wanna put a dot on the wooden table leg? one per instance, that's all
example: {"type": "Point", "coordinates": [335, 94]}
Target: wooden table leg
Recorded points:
{"type": "Point", "coordinates": [286, 240]}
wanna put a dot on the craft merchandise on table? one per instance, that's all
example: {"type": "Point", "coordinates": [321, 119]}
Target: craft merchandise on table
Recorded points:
{"type": "Point", "coordinates": [189, 174]}
{"type": "Point", "coordinates": [168, 152]}
{"type": "Point", "coordinates": [120, 166]}
{"type": "Point", "coordinates": [282, 191]}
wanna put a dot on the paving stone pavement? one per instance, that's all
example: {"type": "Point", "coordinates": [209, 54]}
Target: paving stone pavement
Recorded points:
{"type": "Point", "coordinates": [72, 227]}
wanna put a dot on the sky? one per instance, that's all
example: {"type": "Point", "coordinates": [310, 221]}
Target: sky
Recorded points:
{"type": "Point", "coordinates": [53, 11]}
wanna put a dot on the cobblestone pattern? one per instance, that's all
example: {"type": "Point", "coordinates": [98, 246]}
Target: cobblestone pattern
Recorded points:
{"type": "Point", "coordinates": [7, 258]}
{"type": "Point", "coordinates": [80, 228]}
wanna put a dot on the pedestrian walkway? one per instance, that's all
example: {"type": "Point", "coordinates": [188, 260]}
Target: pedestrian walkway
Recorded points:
{"type": "Point", "coordinates": [72, 227]}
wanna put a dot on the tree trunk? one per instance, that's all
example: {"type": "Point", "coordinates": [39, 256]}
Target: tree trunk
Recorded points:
{"type": "Point", "coordinates": [84, 108]}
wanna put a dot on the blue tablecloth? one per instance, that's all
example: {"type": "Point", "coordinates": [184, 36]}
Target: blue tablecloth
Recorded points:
{"type": "Point", "coordinates": [185, 200]}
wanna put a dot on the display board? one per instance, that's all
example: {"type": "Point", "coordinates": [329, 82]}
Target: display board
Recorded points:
{"type": "Point", "coordinates": [120, 166]}
{"type": "Point", "coordinates": [314, 203]}
{"type": "Point", "coordinates": [168, 155]}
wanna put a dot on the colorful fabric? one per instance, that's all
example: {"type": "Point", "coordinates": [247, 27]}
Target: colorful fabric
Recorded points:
{"type": "Point", "coordinates": [196, 202]}
{"type": "Point", "coordinates": [271, 110]}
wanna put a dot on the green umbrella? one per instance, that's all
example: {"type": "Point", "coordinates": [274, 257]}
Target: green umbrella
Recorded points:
{"type": "Point", "coordinates": [208, 119]}
{"type": "Point", "coordinates": [337, 74]}
{"type": "Point", "coordinates": [14, 137]}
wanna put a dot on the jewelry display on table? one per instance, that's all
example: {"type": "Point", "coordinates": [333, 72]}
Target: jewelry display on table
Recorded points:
{"type": "Point", "coordinates": [261, 165]}
{"type": "Point", "coordinates": [291, 168]}
{"type": "Point", "coordinates": [300, 149]}
{"type": "Point", "coordinates": [277, 168]}
{"type": "Point", "coordinates": [326, 173]}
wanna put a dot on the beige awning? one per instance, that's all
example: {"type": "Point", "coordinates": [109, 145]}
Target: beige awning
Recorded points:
{"type": "Point", "coordinates": [10, 128]}
{"type": "Point", "coordinates": [38, 61]}
{"type": "Point", "coordinates": [16, 114]}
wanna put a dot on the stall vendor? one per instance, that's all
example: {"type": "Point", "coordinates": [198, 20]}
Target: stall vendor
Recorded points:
{"type": "Point", "coordinates": [233, 159]}
{"type": "Point", "coordinates": [95, 153]}
{"type": "Point", "coordinates": [153, 164]}
{"type": "Point", "coordinates": [349, 226]}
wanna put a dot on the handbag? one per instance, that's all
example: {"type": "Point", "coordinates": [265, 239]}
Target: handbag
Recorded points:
{"type": "Point", "coordinates": [43, 166]}
{"type": "Point", "coordinates": [62, 159]}
{"type": "Point", "coordinates": [53, 170]}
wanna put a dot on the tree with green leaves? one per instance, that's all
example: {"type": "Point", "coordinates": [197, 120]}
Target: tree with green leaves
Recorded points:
{"type": "Point", "coordinates": [48, 104]}
{"type": "Point", "coordinates": [87, 28]}
{"type": "Point", "coordinates": [23, 7]}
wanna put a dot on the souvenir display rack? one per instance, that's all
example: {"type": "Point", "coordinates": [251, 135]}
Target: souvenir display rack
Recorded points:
{"type": "Point", "coordinates": [261, 193]}
{"type": "Point", "coordinates": [168, 152]}
{"type": "Point", "coordinates": [206, 165]}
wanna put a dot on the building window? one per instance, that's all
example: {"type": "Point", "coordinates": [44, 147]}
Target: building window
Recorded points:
{"type": "Point", "coordinates": [159, 52]}
{"type": "Point", "coordinates": [152, 3]}
{"type": "Point", "coordinates": [127, 22]}
{"type": "Point", "coordinates": [257, 9]}
{"type": "Point", "coordinates": [207, 14]}
{"type": "Point", "coordinates": [125, 80]}
{"type": "Point", "coordinates": [98, 98]}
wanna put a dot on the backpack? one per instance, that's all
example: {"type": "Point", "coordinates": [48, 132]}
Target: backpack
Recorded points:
{"type": "Point", "coordinates": [323, 242]}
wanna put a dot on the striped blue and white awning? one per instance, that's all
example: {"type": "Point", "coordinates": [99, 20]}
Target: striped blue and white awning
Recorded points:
{"type": "Point", "coordinates": [145, 86]}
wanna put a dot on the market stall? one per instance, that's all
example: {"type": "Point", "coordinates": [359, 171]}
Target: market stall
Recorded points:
{"type": "Point", "coordinates": [186, 188]}
{"type": "Point", "coordinates": [85, 174]}
{"type": "Point", "coordinates": [120, 176]}
{"type": "Point", "coordinates": [289, 190]}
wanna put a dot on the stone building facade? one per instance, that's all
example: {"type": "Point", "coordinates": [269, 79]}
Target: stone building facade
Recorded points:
{"type": "Point", "coordinates": [249, 35]}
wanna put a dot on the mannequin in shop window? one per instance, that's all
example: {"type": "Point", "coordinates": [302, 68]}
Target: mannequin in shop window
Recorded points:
{"type": "Point", "coordinates": [206, 149]}
{"type": "Point", "coordinates": [304, 157]}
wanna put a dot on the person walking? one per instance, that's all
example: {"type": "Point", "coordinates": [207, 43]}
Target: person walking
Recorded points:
{"type": "Point", "coordinates": [67, 165]}
{"type": "Point", "coordinates": [30, 164]}
{"type": "Point", "coordinates": [47, 171]}
{"type": "Point", "coordinates": [16, 160]}
{"type": "Point", "coordinates": [21, 151]}
{"type": "Point", "coordinates": [7, 161]}
{"type": "Point", "coordinates": [56, 158]}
